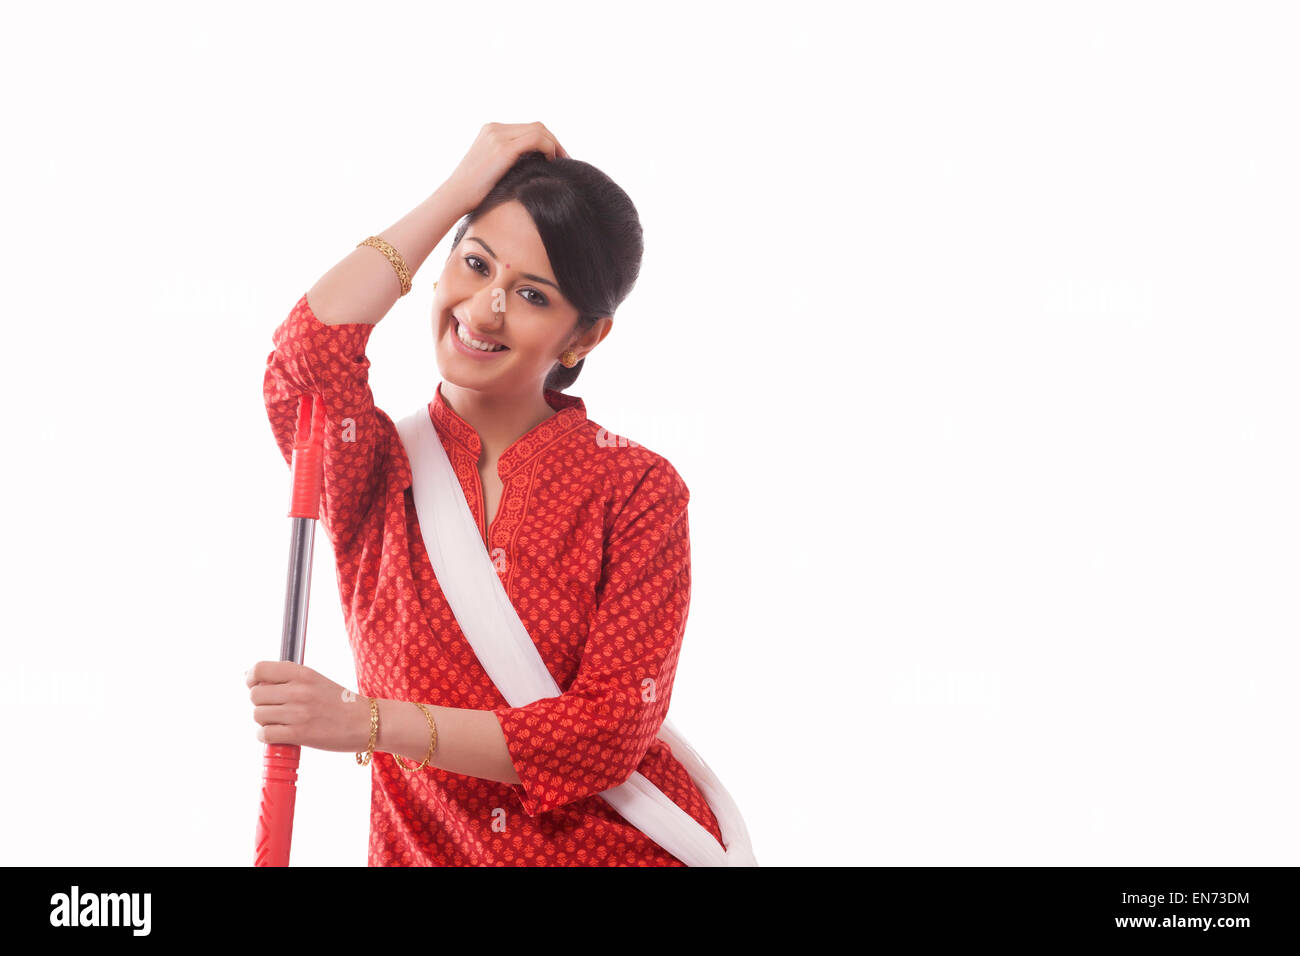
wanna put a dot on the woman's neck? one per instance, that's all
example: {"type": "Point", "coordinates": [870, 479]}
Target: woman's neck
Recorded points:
{"type": "Point", "coordinates": [499, 420]}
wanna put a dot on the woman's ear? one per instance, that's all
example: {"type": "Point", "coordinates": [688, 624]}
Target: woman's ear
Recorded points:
{"type": "Point", "coordinates": [589, 339]}
{"type": "Point", "coordinates": [596, 334]}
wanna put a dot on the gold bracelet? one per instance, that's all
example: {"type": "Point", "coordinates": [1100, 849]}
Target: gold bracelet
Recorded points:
{"type": "Point", "coordinates": [433, 741]}
{"type": "Point", "coordinates": [403, 274]}
{"type": "Point", "coordinates": [364, 759]}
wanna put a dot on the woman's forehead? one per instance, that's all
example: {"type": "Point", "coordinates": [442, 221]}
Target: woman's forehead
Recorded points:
{"type": "Point", "coordinates": [508, 235]}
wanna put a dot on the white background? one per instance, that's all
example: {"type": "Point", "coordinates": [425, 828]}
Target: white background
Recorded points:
{"type": "Point", "coordinates": [971, 327]}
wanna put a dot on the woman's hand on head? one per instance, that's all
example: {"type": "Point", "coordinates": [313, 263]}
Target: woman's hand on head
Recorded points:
{"type": "Point", "coordinates": [493, 152]}
{"type": "Point", "coordinates": [293, 704]}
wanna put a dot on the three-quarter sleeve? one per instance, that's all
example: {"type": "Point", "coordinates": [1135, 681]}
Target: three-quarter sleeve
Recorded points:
{"type": "Point", "coordinates": [595, 734]}
{"type": "Point", "coordinates": [329, 361]}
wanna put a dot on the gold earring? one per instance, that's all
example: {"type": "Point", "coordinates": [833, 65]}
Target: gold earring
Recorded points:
{"type": "Point", "coordinates": [569, 358]}
{"type": "Point", "coordinates": [435, 285]}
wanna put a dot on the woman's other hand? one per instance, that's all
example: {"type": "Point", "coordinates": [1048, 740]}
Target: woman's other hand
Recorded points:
{"type": "Point", "coordinates": [295, 705]}
{"type": "Point", "coordinates": [493, 152]}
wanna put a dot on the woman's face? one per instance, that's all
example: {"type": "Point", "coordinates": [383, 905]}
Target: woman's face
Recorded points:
{"type": "Point", "coordinates": [499, 286]}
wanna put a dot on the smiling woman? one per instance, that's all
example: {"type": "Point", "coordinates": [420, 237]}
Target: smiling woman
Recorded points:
{"type": "Point", "coordinates": [497, 305]}
{"type": "Point", "coordinates": [563, 225]}
{"type": "Point", "coordinates": [534, 713]}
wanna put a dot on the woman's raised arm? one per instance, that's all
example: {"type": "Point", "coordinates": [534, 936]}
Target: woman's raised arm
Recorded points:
{"type": "Point", "coordinates": [364, 285]}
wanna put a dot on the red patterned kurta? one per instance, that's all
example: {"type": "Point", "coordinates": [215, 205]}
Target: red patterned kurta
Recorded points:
{"type": "Point", "coordinates": [592, 545]}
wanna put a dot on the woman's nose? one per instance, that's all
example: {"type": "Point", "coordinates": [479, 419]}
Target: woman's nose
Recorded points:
{"type": "Point", "coordinates": [487, 307]}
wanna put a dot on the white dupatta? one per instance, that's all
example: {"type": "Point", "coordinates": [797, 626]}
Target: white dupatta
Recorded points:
{"type": "Point", "coordinates": [500, 641]}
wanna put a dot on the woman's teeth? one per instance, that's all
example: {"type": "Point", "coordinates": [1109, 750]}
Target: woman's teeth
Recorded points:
{"type": "Point", "coordinates": [475, 343]}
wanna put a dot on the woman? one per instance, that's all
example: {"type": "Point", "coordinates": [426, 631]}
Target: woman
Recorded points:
{"type": "Point", "coordinates": [588, 534]}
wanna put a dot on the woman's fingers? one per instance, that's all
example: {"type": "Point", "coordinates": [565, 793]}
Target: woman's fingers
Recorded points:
{"type": "Point", "coordinates": [496, 148]}
{"type": "Point", "coordinates": [270, 694]}
{"type": "Point", "coordinates": [551, 146]}
{"type": "Point", "coordinates": [521, 138]}
{"type": "Point", "coordinates": [272, 687]}
{"type": "Point", "coordinates": [536, 136]}
{"type": "Point", "coordinates": [557, 148]}
{"type": "Point", "coordinates": [284, 714]}
{"type": "Point", "coordinates": [275, 734]}
{"type": "Point", "coordinates": [296, 705]}
{"type": "Point", "coordinates": [273, 672]}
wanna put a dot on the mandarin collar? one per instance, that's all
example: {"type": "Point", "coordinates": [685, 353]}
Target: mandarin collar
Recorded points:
{"type": "Point", "coordinates": [571, 412]}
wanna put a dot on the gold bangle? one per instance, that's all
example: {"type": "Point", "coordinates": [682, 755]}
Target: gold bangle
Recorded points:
{"type": "Point", "coordinates": [364, 759]}
{"type": "Point", "coordinates": [433, 741]}
{"type": "Point", "coordinates": [399, 264]}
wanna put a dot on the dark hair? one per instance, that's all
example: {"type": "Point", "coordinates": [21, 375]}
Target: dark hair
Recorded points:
{"type": "Point", "coordinates": [590, 230]}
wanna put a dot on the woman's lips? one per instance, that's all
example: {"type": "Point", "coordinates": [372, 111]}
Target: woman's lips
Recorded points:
{"type": "Point", "coordinates": [465, 349]}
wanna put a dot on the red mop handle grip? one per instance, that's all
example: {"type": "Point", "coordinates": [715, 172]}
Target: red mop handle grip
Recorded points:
{"type": "Point", "coordinates": [308, 458]}
{"type": "Point", "coordinates": [275, 817]}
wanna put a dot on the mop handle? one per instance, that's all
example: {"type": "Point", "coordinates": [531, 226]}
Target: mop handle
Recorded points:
{"type": "Point", "coordinates": [280, 764]}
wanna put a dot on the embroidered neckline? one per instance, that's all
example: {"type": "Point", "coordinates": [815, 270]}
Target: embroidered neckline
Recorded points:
{"type": "Point", "coordinates": [571, 411]}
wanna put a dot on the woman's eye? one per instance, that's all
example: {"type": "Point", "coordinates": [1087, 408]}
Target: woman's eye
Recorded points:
{"type": "Point", "coordinates": [531, 296]}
